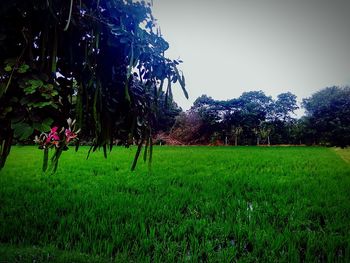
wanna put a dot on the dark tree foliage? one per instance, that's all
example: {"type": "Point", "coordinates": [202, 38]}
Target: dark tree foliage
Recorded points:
{"type": "Point", "coordinates": [188, 128]}
{"type": "Point", "coordinates": [250, 119]}
{"type": "Point", "coordinates": [166, 112]}
{"type": "Point", "coordinates": [282, 120]}
{"type": "Point", "coordinates": [328, 116]}
{"type": "Point", "coordinates": [284, 106]}
{"type": "Point", "coordinates": [254, 118]}
{"type": "Point", "coordinates": [255, 107]}
{"type": "Point", "coordinates": [101, 62]}
{"type": "Point", "coordinates": [209, 111]}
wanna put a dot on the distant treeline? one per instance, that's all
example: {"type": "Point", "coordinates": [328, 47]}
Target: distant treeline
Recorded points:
{"type": "Point", "coordinates": [257, 119]}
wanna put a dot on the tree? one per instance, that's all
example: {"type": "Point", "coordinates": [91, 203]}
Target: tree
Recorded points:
{"type": "Point", "coordinates": [265, 131]}
{"type": "Point", "coordinates": [301, 132]}
{"type": "Point", "coordinates": [232, 121]}
{"type": "Point", "coordinates": [285, 104]}
{"type": "Point", "coordinates": [187, 128]}
{"type": "Point", "coordinates": [236, 132]}
{"type": "Point", "coordinates": [209, 111]}
{"type": "Point", "coordinates": [281, 117]}
{"type": "Point", "coordinates": [166, 112]}
{"type": "Point", "coordinates": [255, 107]}
{"type": "Point", "coordinates": [101, 62]}
{"type": "Point", "coordinates": [328, 113]}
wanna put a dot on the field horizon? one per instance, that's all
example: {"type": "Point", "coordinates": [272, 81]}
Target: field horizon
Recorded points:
{"type": "Point", "coordinates": [196, 204]}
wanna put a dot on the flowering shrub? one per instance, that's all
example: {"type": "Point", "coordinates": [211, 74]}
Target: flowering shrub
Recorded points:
{"type": "Point", "coordinates": [58, 140]}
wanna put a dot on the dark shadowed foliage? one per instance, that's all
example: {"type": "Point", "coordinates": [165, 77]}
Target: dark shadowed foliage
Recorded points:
{"type": "Point", "coordinates": [101, 62]}
{"type": "Point", "coordinates": [328, 116]}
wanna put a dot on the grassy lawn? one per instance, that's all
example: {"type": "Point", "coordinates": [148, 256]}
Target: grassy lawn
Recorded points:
{"type": "Point", "coordinates": [215, 204]}
{"type": "Point", "coordinates": [343, 153]}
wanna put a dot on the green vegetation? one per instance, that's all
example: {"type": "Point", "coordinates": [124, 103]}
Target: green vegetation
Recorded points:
{"type": "Point", "coordinates": [100, 62]}
{"type": "Point", "coordinates": [343, 153]}
{"type": "Point", "coordinates": [255, 118]}
{"type": "Point", "coordinates": [216, 204]}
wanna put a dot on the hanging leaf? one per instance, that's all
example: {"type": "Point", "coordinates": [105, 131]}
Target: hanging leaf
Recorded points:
{"type": "Point", "coordinates": [150, 152]}
{"type": "Point", "coordinates": [55, 158]}
{"type": "Point", "coordinates": [146, 150]}
{"type": "Point", "coordinates": [22, 130]}
{"type": "Point", "coordinates": [181, 80]}
{"type": "Point", "coordinates": [138, 151]}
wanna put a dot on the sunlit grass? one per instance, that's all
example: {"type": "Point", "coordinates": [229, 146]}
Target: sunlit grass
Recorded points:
{"type": "Point", "coordinates": [343, 153]}
{"type": "Point", "coordinates": [216, 204]}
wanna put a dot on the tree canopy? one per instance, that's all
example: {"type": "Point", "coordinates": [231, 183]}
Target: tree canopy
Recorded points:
{"type": "Point", "coordinates": [328, 116]}
{"type": "Point", "coordinates": [247, 119]}
{"type": "Point", "coordinates": [255, 118]}
{"type": "Point", "coordinates": [100, 62]}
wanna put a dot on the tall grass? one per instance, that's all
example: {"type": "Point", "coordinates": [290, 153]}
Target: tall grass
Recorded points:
{"type": "Point", "coordinates": [216, 204]}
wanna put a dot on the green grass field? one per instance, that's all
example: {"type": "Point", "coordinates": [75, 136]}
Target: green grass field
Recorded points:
{"type": "Point", "coordinates": [198, 204]}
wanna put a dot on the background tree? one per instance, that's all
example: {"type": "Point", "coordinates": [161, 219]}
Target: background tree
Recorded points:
{"type": "Point", "coordinates": [101, 62]}
{"type": "Point", "coordinates": [284, 106]}
{"type": "Point", "coordinates": [301, 132]}
{"type": "Point", "coordinates": [265, 129]}
{"type": "Point", "coordinates": [328, 115]}
{"type": "Point", "coordinates": [166, 112]}
{"type": "Point", "coordinates": [281, 117]}
{"type": "Point", "coordinates": [208, 111]}
{"type": "Point", "coordinates": [255, 106]}
{"type": "Point", "coordinates": [232, 121]}
{"type": "Point", "coordinates": [255, 115]}
{"type": "Point", "coordinates": [187, 128]}
{"type": "Point", "coordinates": [236, 132]}
{"type": "Point", "coordinates": [260, 119]}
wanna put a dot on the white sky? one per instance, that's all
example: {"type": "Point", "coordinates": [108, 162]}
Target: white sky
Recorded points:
{"type": "Point", "coordinates": [232, 46]}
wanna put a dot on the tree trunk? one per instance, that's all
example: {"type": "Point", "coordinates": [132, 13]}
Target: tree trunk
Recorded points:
{"type": "Point", "coordinates": [236, 140]}
{"type": "Point", "coordinates": [6, 144]}
{"type": "Point", "coordinates": [257, 141]}
{"type": "Point", "coordinates": [268, 140]}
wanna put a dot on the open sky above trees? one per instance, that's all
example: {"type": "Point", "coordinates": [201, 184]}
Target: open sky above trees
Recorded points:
{"type": "Point", "coordinates": [232, 46]}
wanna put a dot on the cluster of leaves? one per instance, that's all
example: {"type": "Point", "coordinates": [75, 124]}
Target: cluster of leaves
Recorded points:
{"type": "Point", "coordinates": [253, 118]}
{"type": "Point", "coordinates": [100, 61]}
{"type": "Point", "coordinates": [28, 103]}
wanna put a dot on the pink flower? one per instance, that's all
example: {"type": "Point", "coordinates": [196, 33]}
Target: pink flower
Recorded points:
{"type": "Point", "coordinates": [70, 135]}
{"type": "Point", "coordinates": [53, 136]}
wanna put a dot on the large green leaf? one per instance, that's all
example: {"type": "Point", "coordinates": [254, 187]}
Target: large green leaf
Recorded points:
{"type": "Point", "coordinates": [43, 126]}
{"type": "Point", "coordinates": [22, 130]}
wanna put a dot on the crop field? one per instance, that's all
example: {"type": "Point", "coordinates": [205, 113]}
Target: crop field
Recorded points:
{"type": "Point", "coordinates": [197, 204]}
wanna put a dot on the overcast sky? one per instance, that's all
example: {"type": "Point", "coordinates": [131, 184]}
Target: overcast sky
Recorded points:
{"type": "Point", "coordinates": [232, 46]}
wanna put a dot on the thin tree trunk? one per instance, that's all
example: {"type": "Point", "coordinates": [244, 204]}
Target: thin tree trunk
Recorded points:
{"type": "Point", "coordinates": [236, 140]}
{"type": "Point", "coordinates": [5, 145]}
{"type": "Point", "coordinates": [268, 140]}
